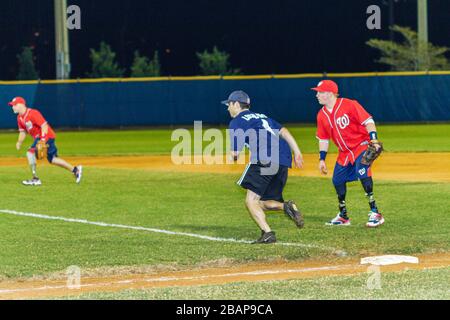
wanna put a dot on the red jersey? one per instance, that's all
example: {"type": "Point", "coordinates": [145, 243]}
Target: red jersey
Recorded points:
{"type": "Point", "coordinates": [345, 125]}
{"type": "Point", "coordinates": [31, 122]}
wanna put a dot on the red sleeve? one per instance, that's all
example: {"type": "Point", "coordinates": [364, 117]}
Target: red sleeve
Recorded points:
{"type": "Point", "coordinates": [323, 130]}
{"type": "Point", "coordinates": [359, 113]}
{"type": "Point", "coordinates": [20, 125]}
{"type": "Point", "coordinates": [37, 118]}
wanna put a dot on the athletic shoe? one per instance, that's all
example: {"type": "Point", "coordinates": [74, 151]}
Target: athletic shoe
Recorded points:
{"type": "Point", "coordinates": [291, 210]}
{"type": "Point", "coordinates": [78, 173]}
{"type": "Point", "coordinates": [339, 221]}
{"type": "Point", "coordinates": [32, 182]}
{"type": "Point", "coordinates": [375, 220]}
{"type": "Point", "coordinates": [266, 237]}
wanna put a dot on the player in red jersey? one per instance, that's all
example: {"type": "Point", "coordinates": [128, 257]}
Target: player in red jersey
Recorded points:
{"type": "Point", "coordinates": [31, 121]}
{"type": "Point", "coordinates": [351, 128]}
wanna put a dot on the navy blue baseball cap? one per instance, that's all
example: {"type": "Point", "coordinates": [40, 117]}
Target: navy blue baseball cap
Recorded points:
{"type": "Point", "coordinates": [239, 96]}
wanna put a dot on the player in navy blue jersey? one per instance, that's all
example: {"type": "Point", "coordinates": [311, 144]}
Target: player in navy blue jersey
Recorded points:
{"type": "Point", "coordinates": [271, 147]}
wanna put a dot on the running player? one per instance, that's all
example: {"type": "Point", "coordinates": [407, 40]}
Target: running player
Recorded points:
{"type": "Point", "coordinates": [31, 121]}
{"type": "Point", "coordinates": [265, 176]}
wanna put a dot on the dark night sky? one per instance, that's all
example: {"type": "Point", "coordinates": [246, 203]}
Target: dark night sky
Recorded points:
{"type": "Point", "coordinates": [263, 37]}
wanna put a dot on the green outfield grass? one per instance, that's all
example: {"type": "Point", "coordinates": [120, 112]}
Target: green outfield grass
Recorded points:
{"type": "Point", "coordinates": [206, 204]}
{"type": "Point", "coordinates": [397, 138]}
{"type": "Point", "coordinates": [412, 284]}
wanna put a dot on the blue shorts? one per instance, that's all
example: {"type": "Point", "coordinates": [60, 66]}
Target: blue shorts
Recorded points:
{"type": "Point", "coordinates": [268, 187]}
{"type": "Point", "coordinates": [351, 172]}
{"type": "Point", "coordinates": [52, 151]}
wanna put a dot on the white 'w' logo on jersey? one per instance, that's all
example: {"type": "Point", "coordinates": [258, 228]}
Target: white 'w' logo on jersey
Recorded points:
{"type": "Point", "coordinates": [343, 121]}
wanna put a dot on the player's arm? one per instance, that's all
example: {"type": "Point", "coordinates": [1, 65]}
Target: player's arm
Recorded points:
{"type": "Point", "coordinates": [287, 136]}
{"type": "Point", "coordinates": [366, 120]}
{"type": "Point", "coordinates": [39, 120]}
{"type": "Point", "coordinates": [20, 140]}
{"type": "Point", "coordinates": [44, 131]}
{"type": "Point", "coordinates": [323, 135]}
{"type": "Point", "coordinates": [235, 146]}
{"type": "Point", "coordinates": [236, 132]}
{"type": "Point", "coordinates": [323, 150]}
{"type": "Point", "coordinates": [372, 130]}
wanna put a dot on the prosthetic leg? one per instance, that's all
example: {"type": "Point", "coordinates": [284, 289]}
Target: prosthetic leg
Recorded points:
{"type": "Point", "coordinates": [35, 181]}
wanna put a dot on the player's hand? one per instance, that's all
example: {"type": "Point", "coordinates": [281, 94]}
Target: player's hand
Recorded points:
{"type": "Point", "coordinates": [234, 156]}
{"type": "Point", "coordinates": [298, 160]}
{"type": "Point", "coordinates": [18, 145]}
{"type": "Point", "coordinates": [323, 167]}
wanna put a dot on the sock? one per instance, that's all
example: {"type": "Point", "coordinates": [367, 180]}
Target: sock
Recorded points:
{"type": "Point", "coordinates": [372, 203]}
{"type": "Point", "coordinates": [342, 209]}
{"type": "Point", "coordinates": [367, 184]}
{"type": "Point", "coordinates": [342, 191]}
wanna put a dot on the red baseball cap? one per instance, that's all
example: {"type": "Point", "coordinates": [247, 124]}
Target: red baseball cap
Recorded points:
{"type": "Point", "coordinates": [17, 100]}
{"type": "Point", "coordinates": [326, 86]}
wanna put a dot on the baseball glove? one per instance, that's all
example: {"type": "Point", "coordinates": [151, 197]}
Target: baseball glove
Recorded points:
{"type": "Point", "coordinates": [372, 152]}
{"type": "Point", "coordinates": [41, 149]}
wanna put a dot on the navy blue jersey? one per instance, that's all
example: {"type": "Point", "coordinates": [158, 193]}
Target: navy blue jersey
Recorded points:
{"type": "Point", "coordinates": [260, 134]}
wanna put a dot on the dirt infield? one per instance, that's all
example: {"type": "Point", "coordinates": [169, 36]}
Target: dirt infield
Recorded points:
{"type": "Point", "coordinates": [390, 166]}
{"type": "Point", "coordinates": [207, 276]}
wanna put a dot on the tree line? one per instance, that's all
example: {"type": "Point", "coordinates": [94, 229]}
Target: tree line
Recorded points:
{"type": "Point", "coordinates": [408, 55]}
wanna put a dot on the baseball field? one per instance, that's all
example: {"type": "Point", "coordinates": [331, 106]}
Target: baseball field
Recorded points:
{"type": "Point", "coordinates": [140, 227]}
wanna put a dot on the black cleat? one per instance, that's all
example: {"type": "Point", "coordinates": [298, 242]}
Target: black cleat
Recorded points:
{"type": "Point", "coordinates": [77, 172]}
{"type": "Point", "coordinates": [266, 237]}
{"type": "Point", "coordinates": [290, 208]}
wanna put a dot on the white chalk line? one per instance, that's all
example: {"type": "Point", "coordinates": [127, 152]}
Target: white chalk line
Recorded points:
{"type": "Point", "coordinates": [173, 279]}
{"type": "Point", "coordinates": [192, 235]}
